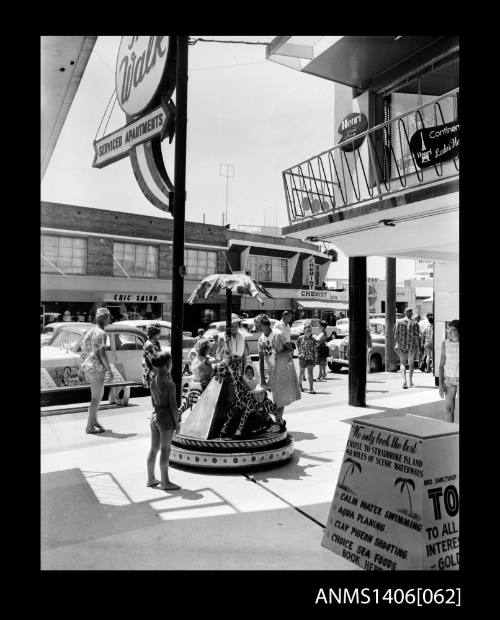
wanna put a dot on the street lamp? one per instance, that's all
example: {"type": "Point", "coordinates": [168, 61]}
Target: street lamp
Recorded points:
{"type": "Point", "coordinates": [226, 170]}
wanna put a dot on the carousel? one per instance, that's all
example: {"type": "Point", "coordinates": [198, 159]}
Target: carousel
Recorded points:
{"type": "Point", "coordinates": [227, 422]}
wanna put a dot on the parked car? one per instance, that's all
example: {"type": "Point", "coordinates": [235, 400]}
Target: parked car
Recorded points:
{"type": "Point", "coordinates": [339, 349]}
{"type": "Point", "coordinates": [381, 315]}
{"type": "Point", "coordinates": [342, 328]}
{"type": "Point", "coordinates": [63, 335]}
{"type": "Point", "coordinates": [297, 328]}
{"type": "Point", "coordinates": [60, 367]}
{"type": "Point", "coordinates": [247, 328]}
{"type": "Point", "coordinates": [165, 335]}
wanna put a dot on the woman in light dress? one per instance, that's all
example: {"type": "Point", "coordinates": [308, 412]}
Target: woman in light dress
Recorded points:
{"type": "Point", "coordinates": [449, 369]}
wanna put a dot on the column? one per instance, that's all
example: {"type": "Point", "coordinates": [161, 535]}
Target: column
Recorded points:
{"type": "Point", "coordinates": [357, 331]}
{"type": "Point", "coordinates": [391, 361]}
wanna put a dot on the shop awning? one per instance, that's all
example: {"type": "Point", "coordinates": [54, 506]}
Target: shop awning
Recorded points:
{"type": "Point", "coordinates": [424, 291]}
{"type": "Point", "coordinates": [323, 305]}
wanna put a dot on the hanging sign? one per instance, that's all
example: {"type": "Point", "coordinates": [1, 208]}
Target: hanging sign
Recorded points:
{"type": "Point", "coordinates": [351, 126]}
{"type": "Point", "coordinates": [140, 66]}
{"type": "Point", "coordinates": [433, 145]}
{"type": "Point", "coordinates": [116, 145]}
{"type": "Point", "coordinates": [396, 504]}
{"type": "Point", "coordinates": [312, 272]}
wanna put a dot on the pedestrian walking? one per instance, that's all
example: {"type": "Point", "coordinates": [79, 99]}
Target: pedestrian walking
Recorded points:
{"type": "Point", "coordinates": [307, 357]}
{"type": "Point", "coordinates": [407, 344]}
{"type": "Point", "coordinates": [276, 351]}
{"type": "Point", "coordinates": [94, 365]}
{"type": "Point", "coordinates": [449, 369]}
{"type": "Point", "coordinates": [322, 350]}
{"type": "Point", "coordinates": [427, 344]}
{"type": "Point", "coordinates": [164, 422]}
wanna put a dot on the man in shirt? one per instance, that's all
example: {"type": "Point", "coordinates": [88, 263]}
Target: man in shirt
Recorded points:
{"type": "Point", "coordinates": [407, 344]}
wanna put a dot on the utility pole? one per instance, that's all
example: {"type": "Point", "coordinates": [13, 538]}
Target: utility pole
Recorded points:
{"type": "Point", "coordinates": [226, 170]}
{"type": "Point", "coordinates": [178, 269]}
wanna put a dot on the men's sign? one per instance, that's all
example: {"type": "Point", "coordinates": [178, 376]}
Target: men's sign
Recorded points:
{"type": "Point", "coordinates": [140, 66]}
{"type": "Point", "coordinates": [433, 145]}
{"type": "Point", "coordinates": [396, 503]}
{"type": "Point", "coordinates": [116, 145]}
{"type": "Point", "coordinates": [351, 126]}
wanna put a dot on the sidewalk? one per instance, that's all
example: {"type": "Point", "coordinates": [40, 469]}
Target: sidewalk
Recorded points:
{"type": "Point", "coordinates": [97, 512]}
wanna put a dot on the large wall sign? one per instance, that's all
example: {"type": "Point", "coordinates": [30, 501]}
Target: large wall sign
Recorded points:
{"type": "Point", "coordinates": [145, 79]}
{"type": "Point", "coordinates": [435, 144]}
{"type": "Point", "coordinates": [396, 504]}
{"type": "Point", "coordinates": [140, 66]}
{"type": "Point", "coordinates": [352, 125]}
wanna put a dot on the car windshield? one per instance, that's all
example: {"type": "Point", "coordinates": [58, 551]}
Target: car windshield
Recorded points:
{"type": "Point", "coordinates": [299, 323]}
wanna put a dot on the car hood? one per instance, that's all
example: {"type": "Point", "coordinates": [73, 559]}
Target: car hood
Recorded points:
{"type": "Point", "coordinates": [54, 356]}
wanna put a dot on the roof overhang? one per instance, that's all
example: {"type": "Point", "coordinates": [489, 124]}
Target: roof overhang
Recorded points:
{"type": "Point", "coordinates": [62, 64]}
{"type": "Point", "coordinates": [355, 61]}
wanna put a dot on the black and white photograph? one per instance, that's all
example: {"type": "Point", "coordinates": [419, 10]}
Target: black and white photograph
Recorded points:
{"type": "Point", "coordinates": [249, 307]}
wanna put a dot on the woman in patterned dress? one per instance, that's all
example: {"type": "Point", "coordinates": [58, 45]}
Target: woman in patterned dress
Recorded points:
{"type": "Point", "coordinates": [322, 351]}
{"type": "Point", "coordinates": [307, 357]}
{"type": "Point", "coordinates": [94, 365]}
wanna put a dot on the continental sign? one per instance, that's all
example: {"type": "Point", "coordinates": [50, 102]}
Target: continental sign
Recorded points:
{"type": "Point", "coordinates": [116, 145]}
{"type": "Point", "coordinates": [433, 145]}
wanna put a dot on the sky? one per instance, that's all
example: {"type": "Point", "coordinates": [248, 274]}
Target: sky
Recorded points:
{"type": "Point", "coordinates": [243, 110]}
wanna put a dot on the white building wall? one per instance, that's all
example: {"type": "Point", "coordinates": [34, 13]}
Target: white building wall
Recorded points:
{"type": "Point", "coordinates": [446, 303]}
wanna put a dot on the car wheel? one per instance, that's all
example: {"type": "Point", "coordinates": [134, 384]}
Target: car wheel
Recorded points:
{"type": "Point", "coordinates": [375, 363]}
{"type": "Point", "coordinates": [334, 367]}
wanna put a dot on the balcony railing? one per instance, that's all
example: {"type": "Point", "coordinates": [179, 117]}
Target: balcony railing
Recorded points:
{"type": "Point", "coordinates": [383, 165]}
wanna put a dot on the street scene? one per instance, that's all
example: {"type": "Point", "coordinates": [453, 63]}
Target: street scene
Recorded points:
{"type": "Point", "coordinates": [249, 363]}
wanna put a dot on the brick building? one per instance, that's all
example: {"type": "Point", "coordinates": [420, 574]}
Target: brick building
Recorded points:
{"type": "Point", "coordinates": [94, 257]}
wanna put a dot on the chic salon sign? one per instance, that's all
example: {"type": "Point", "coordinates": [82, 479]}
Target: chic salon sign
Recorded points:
{"type": "Point", "coordinates": [140, 66]}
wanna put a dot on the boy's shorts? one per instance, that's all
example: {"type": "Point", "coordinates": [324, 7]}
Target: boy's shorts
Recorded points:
{"type": "Point", "coordinates": [303, 363]}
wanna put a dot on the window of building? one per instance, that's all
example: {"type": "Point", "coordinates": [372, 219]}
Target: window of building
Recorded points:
{"type": "Point", "coordinates": [199, 264]}
{"type": "Point", "coordinates": [268, 268]}
{"type": "Point", "coordinates": [66, 254]}
{"type": "Point", "coordinates": [435, 80]}
{"type": "Point", "coordinates": [138, 260]}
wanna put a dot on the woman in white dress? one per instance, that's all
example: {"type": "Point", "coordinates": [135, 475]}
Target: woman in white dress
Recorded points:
{"type": "Point", "coordinates": [449, 369]}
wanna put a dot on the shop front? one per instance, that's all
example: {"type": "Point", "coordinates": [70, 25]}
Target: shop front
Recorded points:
{"type": "Point", "coordinates": [326, 305]}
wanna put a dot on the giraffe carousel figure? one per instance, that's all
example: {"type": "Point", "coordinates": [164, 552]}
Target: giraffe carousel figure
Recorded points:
{"type": "Point", "coordinates": [229, 422]}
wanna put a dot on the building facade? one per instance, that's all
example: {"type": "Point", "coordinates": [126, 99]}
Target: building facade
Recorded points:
{"type": "Point", "coordinates": [94, 257]}
{"type": "Point", "coordinates": [390, 184]}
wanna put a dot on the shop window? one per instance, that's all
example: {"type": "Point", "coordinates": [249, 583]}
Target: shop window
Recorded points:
{"type": "Point", "coordinates": [268, 268]}
{"type": "Point", "coordinates": [416, 90]}
{"type": "Point", "coordinates": [138, 260]}
{"type": "Point", "coordinates": [66, 254]}
{"type": "Point", "coordinates": [199, 264]}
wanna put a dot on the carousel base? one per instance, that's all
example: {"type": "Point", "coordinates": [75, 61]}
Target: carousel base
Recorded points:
{"type": "Point", "coordinates": [231, 453]}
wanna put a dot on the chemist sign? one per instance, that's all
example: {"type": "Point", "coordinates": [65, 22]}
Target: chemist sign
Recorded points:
{"type": "Point", "coordinates": [396, 503]}
{"type": "Point", "coordinates": [116, 145]}
{"type": "Point", "coordinates": [311, 273]}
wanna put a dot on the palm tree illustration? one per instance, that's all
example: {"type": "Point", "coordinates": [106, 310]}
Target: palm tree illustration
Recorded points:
{"type": "Point", "coordinates": [353, 466]}
{"type": "Point", "coordinates": [406, 483]}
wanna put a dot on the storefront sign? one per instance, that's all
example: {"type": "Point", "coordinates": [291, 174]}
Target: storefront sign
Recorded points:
{"type": "Point", "coordinates": [325, 295]}
{"type": "Point", "coordinates": [59, 378]}
{"type": "Point", "coordinates": [312, 272]}
{"type": "Point", "coordinates": [140, 66]}
{"type": "Point", "coordinates": [435, 144]}
{"type": "Point", "coordinates": [351, 126]}
{"type": "Point", "coordinates": [396, 503]}
{"type": "Point", "coordinates": [116, 145]}
{"type": "Point", "coordinates": [134, 298]}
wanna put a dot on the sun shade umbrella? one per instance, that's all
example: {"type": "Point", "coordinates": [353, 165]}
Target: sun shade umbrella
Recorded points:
{"type": "Point", "coordinates": [239, 284]}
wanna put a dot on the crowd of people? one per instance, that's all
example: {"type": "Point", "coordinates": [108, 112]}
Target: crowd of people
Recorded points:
{"type": "Point", "coordinates": [224, 358]}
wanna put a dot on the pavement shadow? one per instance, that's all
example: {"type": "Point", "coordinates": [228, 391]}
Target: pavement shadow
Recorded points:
{"type": "Point", "coordinates": [299, 436]}
{"type": "Point", "coordinates": [109, 433]}
{"type": "Point", "coordinates": [183, 493]}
